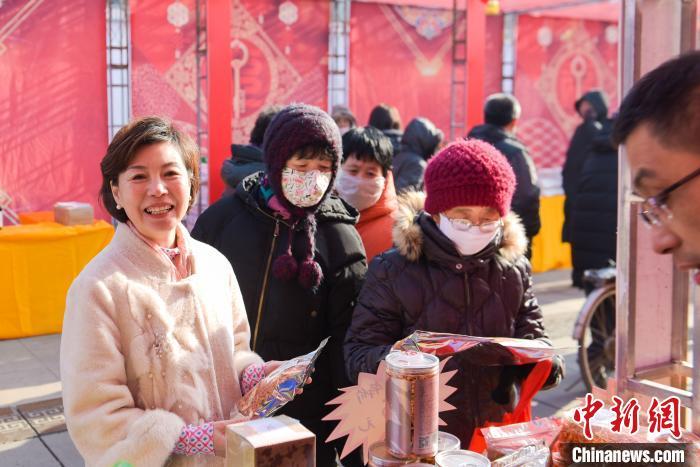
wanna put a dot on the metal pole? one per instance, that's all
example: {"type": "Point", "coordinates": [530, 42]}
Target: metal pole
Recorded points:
{"type": "Point", "coordinates": [625, 288]}
{"type": "Point", "coordinates": [339, 53]}
{"type": "Point", "coordinates": [509, 56]}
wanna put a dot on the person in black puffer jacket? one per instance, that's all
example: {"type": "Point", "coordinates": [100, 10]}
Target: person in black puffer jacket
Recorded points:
{"type": "Point", "coordinates": [418, 143]}
{"type": "Point", "coordinates": [297, 256]}
{"type": "Point", "coordinates": [444, 276]}
{"type": "Point", "coordinates": [501, 113]}
{"type": "Point", "coordinates": [594, 213]}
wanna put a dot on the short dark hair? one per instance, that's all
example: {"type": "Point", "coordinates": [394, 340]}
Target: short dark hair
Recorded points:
{"type": "Point", "coordinates": [668, 99]}
{"type": "Point", "coordinates": [385, 117]}
{"type": "Point", "coordinates": [501, 109]}
{"type": "Point", "coordinates": [368, 144]}
{"type": "Point", "coordinates": [261, 123]}
{"type": "Point", "coordinates": [128, 141]}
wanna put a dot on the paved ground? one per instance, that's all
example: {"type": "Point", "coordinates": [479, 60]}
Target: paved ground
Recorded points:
{"type": "Point", "coordinates": [32, 428]}
{"type": "Point", "coordinates": [560, 304]}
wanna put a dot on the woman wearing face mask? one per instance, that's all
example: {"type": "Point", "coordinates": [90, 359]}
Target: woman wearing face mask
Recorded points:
{"type": "Point", "coordinates": [297, 255]}
{"type": "Point", "coordinates": [365, 182]}
{"type": "Point", "coordinates": [155, 349]}
{"type": "Point", "coordinates": [459, 267]}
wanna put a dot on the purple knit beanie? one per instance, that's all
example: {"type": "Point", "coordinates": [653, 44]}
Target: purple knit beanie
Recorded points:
{"type": "Point", "coordinates": [293, 128]}
{"type": "Point", "coordinates": [469, 173]}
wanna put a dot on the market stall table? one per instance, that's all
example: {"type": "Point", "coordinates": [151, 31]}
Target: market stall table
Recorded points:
{"type": "Point", "coordinates": [36, 217]}
{"type": "Point", "coordinates": [38, 262]}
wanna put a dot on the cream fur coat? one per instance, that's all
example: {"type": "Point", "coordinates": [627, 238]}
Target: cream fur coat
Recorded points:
{"type": "Point", "coordinates": [142, 355]}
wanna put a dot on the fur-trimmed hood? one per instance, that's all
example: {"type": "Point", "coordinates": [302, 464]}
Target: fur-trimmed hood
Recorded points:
{"type": "Point", "coordinates": [408, 235]}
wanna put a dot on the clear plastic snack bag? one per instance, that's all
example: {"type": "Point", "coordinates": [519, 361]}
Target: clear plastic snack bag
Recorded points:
{"type": "Point", "coordinates": [504, 440]}
{"type": "Point", "coordinates": [534, 455]}
{"type": "Point", "coordinates": [278, 388]}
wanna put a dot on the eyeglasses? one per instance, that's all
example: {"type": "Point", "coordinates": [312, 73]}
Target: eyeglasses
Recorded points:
{"type": "Point", "coordinates": [654, 209]}
{"type": "Point", "coordinates": [486, 227]}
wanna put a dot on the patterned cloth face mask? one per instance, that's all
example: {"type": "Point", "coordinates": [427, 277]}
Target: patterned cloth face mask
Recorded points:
{"type": "Point", "coordinates": [304, 189]}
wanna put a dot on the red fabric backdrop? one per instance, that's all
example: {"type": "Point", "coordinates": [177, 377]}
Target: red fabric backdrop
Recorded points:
{"type": "Point", "coordinates": [163, 62]}
{"type": "Point", "coordinates": [280, 56]}
{"type": "Point", "coordinates": [53, 105]}
{"type": "Point", "coordinates": [53, 101]}
{"type": "Point", "coordinates": [557, 61]}
{"type": "Point", "coordinates": [401, 55]}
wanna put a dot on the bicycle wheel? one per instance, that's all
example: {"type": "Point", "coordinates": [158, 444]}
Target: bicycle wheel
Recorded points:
{"type": "Point", "coordinates": [596, 354]}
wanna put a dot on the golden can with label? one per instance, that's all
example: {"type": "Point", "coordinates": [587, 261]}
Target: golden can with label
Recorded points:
{"type": "Point", "coordinates": [412, 401]}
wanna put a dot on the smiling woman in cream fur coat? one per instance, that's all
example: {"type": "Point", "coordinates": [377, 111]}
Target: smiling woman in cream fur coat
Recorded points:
{"type": "Point", "coordinates": [155, 349]}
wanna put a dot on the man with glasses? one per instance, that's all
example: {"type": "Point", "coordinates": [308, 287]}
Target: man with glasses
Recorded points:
{"type": "Point", "coordinates": [659, 124]}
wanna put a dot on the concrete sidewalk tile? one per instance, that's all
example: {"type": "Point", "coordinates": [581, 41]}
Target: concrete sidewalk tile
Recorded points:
{"type": "Point", "coordinates": [46, 349]}
{"type": "Point", "coordinates": [45, 416]}
{"type": "Point", "coordinates": [27, 453]}
{"type": "Point", "coordinates": [13, 427]}
{"type": "Point", "coordinates": [37, 344]}
{"type": "Point", "coordinates": [25, 376]}
{"type": "Point", "coordinates": [15, 355]}
{"type": "Point", "coordinates": [62, 446]}
{"type": "Point", "coordinates": [543, 410]}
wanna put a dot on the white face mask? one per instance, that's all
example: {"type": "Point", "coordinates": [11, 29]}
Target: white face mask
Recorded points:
{"type": "Point", "coordinates": [468, 242]}
{"type": "Point", "coordinates": [360, 192]}
{"type": "Point", "coordinates": [304, 189]}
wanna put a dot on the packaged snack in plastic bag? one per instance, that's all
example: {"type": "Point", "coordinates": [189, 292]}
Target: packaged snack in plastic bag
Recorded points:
{"type": "Point", "coordinates": [535, 455]}
{"type": "Point", "coordinates": [601, 429]}
{"type": "Point", "coordinates": [479, 350]}
{"type": "Point", "coordinates": [507, 439]}
{"type": "Point", "coordinates": [572, 434]}
{"type": "Point", "coordinates": [279, 387]}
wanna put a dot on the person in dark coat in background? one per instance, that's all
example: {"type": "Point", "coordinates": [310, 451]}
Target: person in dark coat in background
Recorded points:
{"type": "Point", "coordinates": [418, 143]}
{"type": "Point", "coordinates": [593, 109]}
{"type": "Point", "coordinates": [594, 212]}
{"type": "Point", "coordinates": [458, 267]}
{"type": "Point", "coordinates": [386, 118]}
{"type": "Point", "coordinates": [501, 114]}
{"type": "Point", "coordinates": [248, 158]}
{"type": "Point", "coordinates": [297, 256]}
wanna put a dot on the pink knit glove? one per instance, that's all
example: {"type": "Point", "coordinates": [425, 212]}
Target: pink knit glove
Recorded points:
{"type": "Point", "coordinates": [251, 376]}
{"type": "Point", "coordinates": [196, 439]}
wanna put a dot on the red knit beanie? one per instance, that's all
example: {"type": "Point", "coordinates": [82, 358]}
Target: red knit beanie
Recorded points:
{"type": "Point", "coordinates": [469, 173]}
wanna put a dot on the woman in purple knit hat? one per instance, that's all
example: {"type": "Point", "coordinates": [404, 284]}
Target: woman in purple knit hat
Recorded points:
{"type": "Point", "coordinates": [458, 267]}
{"type": "Point", "coordinates": [297, 256]}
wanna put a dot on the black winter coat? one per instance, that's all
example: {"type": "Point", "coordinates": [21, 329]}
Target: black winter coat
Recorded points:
{"type": "Point", "coordinates": [287, 320]}
{"type": "Point", "coordinates": [395, 138]}
{"type": "Point", "coordinates": [245, 159]}
{"type": "Point", "coordinates": [526, 199]}
{"type": "Point", "coordinates": [418, 143]}
{"type": "Point", "coordinates": [424, 283]}
{"type": "Point", "coordinates": [594, 212]}
{"type": "Point", "coordinates": [579, 148]}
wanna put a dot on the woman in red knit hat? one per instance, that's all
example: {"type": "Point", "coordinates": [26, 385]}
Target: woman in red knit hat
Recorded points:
{"type": "Point", "coordinates": [458, 267]}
